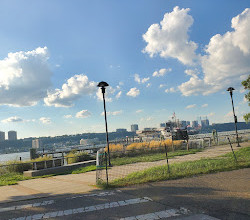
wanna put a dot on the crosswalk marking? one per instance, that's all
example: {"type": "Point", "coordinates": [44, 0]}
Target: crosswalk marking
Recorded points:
{"type": "Point", "coordinates": [102, 194]}
{"type": "Point", "coordinates": [158, 215]}
{"type": "Point", "coordinates": [12, 208]}
{"type": "Point", "coordinates": [44, 203]}
{"type": "Point", "coordinates": [86, 209]}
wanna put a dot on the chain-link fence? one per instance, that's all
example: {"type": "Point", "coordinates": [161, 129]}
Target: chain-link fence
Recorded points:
{"type": "Point", "coordinates": [127, 159]}
{"type": "Point", "coordinates": [135, 157]}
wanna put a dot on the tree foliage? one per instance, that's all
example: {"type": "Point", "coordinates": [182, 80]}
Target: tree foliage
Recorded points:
{"type": "Point", "coordinates": [246, 84]}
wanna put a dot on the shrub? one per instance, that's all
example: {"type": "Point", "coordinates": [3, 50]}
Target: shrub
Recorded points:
{"type": "Point", "coordinates": [75, 157]}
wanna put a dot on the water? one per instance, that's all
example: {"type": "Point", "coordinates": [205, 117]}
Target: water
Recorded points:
{"type": "Point", "coordinates": [14, 156]}
{"type": "Point", "coordinates": [26, 155]}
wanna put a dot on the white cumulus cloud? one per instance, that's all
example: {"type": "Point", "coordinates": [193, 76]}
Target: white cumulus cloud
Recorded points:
{"type": "Point", "coordinates": [12, 119]}
{"type": "Point", "coordinates": [204, 105]}
{"type": "Point", "coordinates": [133, 92]}
{"type": "Point", "coordinates": [140, 80]}
{"type": "Point", "coordinates": [170, 37]}
{"type": "Point", "coordinates": [139, 111]}
{"type": "Point", "coordinates": [118, 95]}
{"type": "Point", "coordinates": [226, 62]}
{"type": "Point", "coordinates": [191, 106]}
{"type": "Point", "coordinates": [67, 116]}
{"type": "Point", "coordinates": [161, 72]}
{"type": "Point", "coordinates": [73, 89]}
{"type": "Point", "coordinates": [45, 120]}
{"type": "Point", "coordinates": [83, 114]}
{"type": "Point", "coordinates": [24, 77]}
{"type": "Point", "coordinates": [113, 113]}
{"type": "Point", "coordinates": [192, 72]}
{"type": "Point", "coordinates": [170, 90]}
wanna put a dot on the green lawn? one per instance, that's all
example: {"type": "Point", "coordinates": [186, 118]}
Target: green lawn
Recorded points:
{"type": "Point", "coordinates": [187, 169]}
{"type": "Point", "coordinates": [11, 178]}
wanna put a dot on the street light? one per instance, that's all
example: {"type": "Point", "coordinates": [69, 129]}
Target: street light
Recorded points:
{"type": "Point", "coordinates": [102, 85]}
{"type": "Point", "coordinates": [230, 90]}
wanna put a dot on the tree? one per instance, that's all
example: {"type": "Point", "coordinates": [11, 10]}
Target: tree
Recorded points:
{"type": "Point", "coordinates": [246, 84]}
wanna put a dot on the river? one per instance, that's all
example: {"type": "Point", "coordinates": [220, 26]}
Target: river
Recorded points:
{"type": "Point", "coordinates": [14, 156]}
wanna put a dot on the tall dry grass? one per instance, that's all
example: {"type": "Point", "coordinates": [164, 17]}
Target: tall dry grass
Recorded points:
{"type": "Point", "coordinates": [145, 146]}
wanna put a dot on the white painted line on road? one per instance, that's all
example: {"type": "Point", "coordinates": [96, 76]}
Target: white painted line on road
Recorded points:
{"type": "Point", "coordinates": [159, 215]}
{"type": "Point", "coordinates": [102, 194]}
{"type": "Point", "coordinates": [86, 209]}
{"type": "Point", "coordinates": [13, 208]}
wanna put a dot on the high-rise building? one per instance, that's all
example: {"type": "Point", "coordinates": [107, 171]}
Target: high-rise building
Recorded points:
{"type": "Point", "coordinates": [188, 123]}
{"type": "Point", "coordinates": [195, 124]}
{"type": "Point", "coordinates": [204, 123]}
{"type": "Point", "coordinates": [2, 136]}
{"type": "Point", "coordinates": [134, 127]}
{"type": "Point", "coordinates": [183, 124]}
{"type": "Point", "coordinates": [12, 135]}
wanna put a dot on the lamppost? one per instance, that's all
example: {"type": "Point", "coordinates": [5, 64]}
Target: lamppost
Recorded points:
{"type": "Point", "coordinates": [102, 85]}
{"type": "Point", "coordinates": [230, 90]}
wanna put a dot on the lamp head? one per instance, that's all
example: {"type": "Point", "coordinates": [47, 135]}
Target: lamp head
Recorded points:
{"type": "Point", "coordinates": [102, 84]}
{"type": "Point", "coordinates": [230, 89]}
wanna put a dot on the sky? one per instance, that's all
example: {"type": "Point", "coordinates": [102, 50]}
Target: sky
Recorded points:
{"type": "Point", "coordinates": [158, 57]}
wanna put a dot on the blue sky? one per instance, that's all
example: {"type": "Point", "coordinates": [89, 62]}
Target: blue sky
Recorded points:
{"type": "Point", "coordinates": [158, 57]}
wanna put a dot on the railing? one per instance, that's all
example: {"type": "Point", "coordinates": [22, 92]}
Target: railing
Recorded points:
{"type": "Point", "coordinates": [37, 165]}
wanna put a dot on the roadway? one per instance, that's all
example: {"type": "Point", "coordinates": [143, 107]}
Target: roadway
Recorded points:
{"type": "Point", "coordinates": [223, 195]}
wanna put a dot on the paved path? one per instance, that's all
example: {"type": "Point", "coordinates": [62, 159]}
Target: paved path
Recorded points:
{"type": "Point", "coordinates": [51, 186]}
{"type": "Point", "coordinates": [85, 182]}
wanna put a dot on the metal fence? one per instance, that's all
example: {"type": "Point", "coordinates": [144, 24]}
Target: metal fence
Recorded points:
{"type": "Point", "coordinates": [20, 167]}
{"type": "Point", "coordinates": [105, 174]}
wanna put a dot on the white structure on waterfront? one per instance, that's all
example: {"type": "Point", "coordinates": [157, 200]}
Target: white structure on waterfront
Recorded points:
{"type": "Point", "coordinates": [12, 135]}
{"type": "Point", "coordinates": [88, 141]}
{"type": "Point", "coordinates": [37, 143]}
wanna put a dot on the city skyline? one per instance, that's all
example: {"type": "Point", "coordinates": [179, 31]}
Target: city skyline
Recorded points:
{"type": "Point", "coordinates": [158, 58]}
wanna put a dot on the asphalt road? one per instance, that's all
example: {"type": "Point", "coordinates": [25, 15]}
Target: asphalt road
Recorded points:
{"type": "Point", "coordinates": [215, 196]}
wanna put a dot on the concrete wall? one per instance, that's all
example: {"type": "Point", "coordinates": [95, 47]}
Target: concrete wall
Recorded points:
{"type": "Point", "coordinates": [58, 170]}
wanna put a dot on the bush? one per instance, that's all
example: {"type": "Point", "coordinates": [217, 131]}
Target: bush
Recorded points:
{"type": "Point", "coordinates": [75, 157]}
{"type": "Point", "coordinates": [16, 166]}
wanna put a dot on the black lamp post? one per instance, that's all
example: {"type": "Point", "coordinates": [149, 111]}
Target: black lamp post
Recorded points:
{"type": "Point", "coordinates": [230, 90]}
{"type": "Point", "coordinates": [102, 85]}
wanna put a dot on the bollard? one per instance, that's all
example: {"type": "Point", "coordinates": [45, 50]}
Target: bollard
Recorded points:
{"type": "Point", "coordinates": [106, 163]}
{"type": "Point", "coordinates": [34, 166]}
{"type": "Point", "coordinates": [167, 157]}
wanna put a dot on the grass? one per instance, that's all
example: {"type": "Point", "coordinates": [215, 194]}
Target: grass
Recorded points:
{"type": "Point", "coordinates": [151, 157]}
{"type": "Point", "coordinates": [84, 169]}
{"type": "Point", "coordinates": [12, 178]}
{"type": "Point", "coordinates": [187, 169]}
